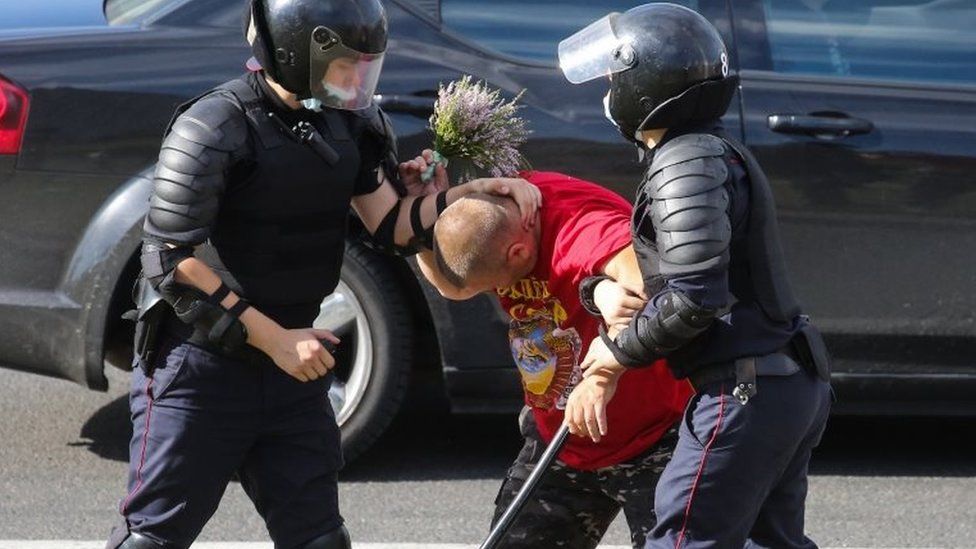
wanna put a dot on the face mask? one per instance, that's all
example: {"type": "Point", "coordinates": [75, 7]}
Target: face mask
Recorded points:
{"type": "Point", "coordinates": [606, 110]}
{"type": "Point", "coordinates": [344, 95]}
{"type": "Point", "coordinates": [312, 104]}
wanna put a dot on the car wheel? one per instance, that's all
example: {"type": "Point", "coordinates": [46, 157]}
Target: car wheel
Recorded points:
{"type": "Point", "coordinates": [373, 361]}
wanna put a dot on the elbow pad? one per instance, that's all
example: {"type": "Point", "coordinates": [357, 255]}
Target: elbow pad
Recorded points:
{"type": "Point", "coordinates": [677, 322]}
{"type": "Point", "coordinates": [190, 177]}
{"type": "Point", "coordinates": [159, 261]}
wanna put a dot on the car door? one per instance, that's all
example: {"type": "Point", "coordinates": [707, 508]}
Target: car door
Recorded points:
{"type": "Point", "coordinates": [863, 113]}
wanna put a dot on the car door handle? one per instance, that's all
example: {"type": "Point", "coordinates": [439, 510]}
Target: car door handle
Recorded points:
{"type": "Point", "coordinates": [418, 105]}
{"type": "Point", "coordinates": [819, 125]}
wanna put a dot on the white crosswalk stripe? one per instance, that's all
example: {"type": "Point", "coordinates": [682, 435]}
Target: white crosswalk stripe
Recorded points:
{"type": "Point", "coordinates": [67, 544]}
{"type": "Point", "coordinates": [70, 544]}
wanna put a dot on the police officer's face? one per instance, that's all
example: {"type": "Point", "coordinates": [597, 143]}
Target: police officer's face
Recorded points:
{"type": "Point", "coordinates": [343, 74]}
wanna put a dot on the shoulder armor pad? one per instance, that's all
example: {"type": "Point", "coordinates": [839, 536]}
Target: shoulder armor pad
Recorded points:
{"type": "Point", "coordinates": [688, 167]}
{"type": "Point", "coordinates": [690, 202]}
{"type": "Point", "coordinates": [215, 121]}
{"type": "Point", "coordinates": [378, 120]}
{"type": "Point", "coordinates": [379, 135]}
{"type": "Point", "coordinates": [692, 212]}
{"type": "Point", "coordinates": [687, 147]}
{"type": "Point", "coordinates": [194, 159]}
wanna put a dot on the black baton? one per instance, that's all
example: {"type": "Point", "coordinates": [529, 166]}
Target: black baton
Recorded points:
{"type": "Point", "coordinates": [329, 346]}
{"type": "Point", "coordinates": [501, 528]}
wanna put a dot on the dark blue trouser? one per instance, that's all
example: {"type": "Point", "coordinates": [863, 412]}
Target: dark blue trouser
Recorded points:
{"type": "Point", "coordinates": [204, 417]}
{"type": "Point", "coordinates": [738, 477]}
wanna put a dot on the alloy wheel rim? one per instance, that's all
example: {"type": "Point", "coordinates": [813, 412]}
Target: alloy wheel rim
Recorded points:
{"type": "Point", "coordinates": [342, 314]}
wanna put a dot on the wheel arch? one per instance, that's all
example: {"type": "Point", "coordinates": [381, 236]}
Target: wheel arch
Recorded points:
{"type": "Point", "coordinates": [96, 273]}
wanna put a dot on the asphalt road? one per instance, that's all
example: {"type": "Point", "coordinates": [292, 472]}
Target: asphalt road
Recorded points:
{"type": "Point", "coordinates": [432, 478]}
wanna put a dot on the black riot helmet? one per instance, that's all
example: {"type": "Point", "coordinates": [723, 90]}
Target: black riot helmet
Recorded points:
{"type": "Point", "coordinates": [667, 64]}
{"type": "Point", "coordinates": [325, 50]}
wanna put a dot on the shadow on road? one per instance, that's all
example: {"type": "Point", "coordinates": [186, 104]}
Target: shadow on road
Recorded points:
{"type": "Point", "coordinates": [107, 431]}
{"type": "Point", "coordinates": [892, 446]}
{"type": "Point", "coordinates": [427, 442]}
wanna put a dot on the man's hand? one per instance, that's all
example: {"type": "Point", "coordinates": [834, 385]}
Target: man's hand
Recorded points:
{"type": "Point", "coordinates": [599, 358]}
{"type": "Point", "coordinates": [525, 194]}
{"type": "Point", "coordinates": [617, 304]}
{"type": "Point", "coordinates": [586, 409]}
{"type": "Point", "coordinates": [300, 354]}
{"type": "Point", "coordinates": [412, 170]}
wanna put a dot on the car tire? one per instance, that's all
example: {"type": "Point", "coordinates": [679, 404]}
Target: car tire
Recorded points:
{"type": "Point", "coordinates": [373, 361]}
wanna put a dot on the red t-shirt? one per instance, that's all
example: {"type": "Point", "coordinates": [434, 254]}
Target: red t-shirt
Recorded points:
{"type": "Point", "coordinates": [583, 226]}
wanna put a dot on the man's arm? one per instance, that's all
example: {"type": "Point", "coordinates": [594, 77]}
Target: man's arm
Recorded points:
{"type": "Point", "coordinates": [618, 297]}
{"type": "Point", "coordinates": [402, 221]}
{"type": "Point", "coordinates": [624, 270]}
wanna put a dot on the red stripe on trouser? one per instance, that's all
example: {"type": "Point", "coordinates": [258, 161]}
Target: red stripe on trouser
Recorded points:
{"type": "Point", "coordinates": [701, 466]}
{"type": "Point", "coordinates": [142, 458]}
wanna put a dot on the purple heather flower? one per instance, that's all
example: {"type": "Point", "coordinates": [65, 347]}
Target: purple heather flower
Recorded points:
{"type": "Point", "coordinates": [472, 123]}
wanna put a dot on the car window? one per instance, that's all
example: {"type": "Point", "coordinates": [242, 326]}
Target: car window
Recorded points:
{"type": "Point", "coordinates": [126, 12]}
{"type": "Point", "coordinates": [527, 29]}
{"type": "Point", "coordinates": [931, 40]}
{"type": "Point", "coordinates": [51, 13]}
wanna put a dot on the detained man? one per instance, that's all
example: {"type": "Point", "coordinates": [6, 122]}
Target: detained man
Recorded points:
{"type": "Point", "coordinates": [620, 446]}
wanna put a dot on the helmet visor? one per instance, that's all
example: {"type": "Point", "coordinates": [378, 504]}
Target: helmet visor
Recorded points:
{"type": "Point", "coordinates": [595, 52]}
{"type": "Point", "coordinates": [339, 76]}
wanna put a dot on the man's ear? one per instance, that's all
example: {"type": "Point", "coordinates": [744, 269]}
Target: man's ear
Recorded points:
{"type": "Point", "coordinates": [518, 254]}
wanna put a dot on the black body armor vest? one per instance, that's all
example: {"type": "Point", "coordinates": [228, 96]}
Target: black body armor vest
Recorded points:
{"type": "Point", "coordinates": [279, 237]}
{"type": "Point", "coordinates": [763, 314]}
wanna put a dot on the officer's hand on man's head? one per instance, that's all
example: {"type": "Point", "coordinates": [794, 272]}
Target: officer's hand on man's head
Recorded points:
{"type": "Point", "coordinates": [411, 175]}
{"type": "Point", "coordinates": [525, 194]}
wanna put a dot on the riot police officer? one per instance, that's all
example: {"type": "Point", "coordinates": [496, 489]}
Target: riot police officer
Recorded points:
{"type": "Point", "coordinates": [244, 238]}
{"type": "Point", "coordinates": [721, 308]}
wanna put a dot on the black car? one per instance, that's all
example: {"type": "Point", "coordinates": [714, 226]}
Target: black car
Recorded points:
{"type": "Point", "coordinates": [863, 113]}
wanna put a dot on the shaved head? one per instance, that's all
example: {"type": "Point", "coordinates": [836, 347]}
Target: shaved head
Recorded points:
{"type": "Point", "coordinates": [472, 236]}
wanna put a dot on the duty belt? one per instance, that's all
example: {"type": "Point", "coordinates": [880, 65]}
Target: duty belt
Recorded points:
{"type": "Point", "coordinates": [782, 362]}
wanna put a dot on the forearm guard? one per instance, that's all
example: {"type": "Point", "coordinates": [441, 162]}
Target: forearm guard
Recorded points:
{"type": "Point", "coordinates": [676, 323]}
{"type": "Point", "coordinates": [192, 306]}
{"type": "Point", "coordinates": [384, 237]}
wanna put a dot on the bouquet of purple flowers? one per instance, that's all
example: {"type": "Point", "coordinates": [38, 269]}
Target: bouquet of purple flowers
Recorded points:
{"type": "Point", "coordinates": [474, 125]}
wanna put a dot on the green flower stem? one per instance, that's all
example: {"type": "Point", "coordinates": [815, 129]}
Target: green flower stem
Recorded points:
{"type": "Point", "coordinates": [428, 174]}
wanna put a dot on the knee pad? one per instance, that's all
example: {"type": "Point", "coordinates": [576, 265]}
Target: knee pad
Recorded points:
{"type": "Point", "coordinates": [133, 540]}
{"type": "Point", "coordinates": [336, 539]}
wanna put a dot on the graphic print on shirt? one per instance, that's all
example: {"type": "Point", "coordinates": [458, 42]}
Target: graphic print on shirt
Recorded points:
{"type": "Point", "coordinates": [547, 356]}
